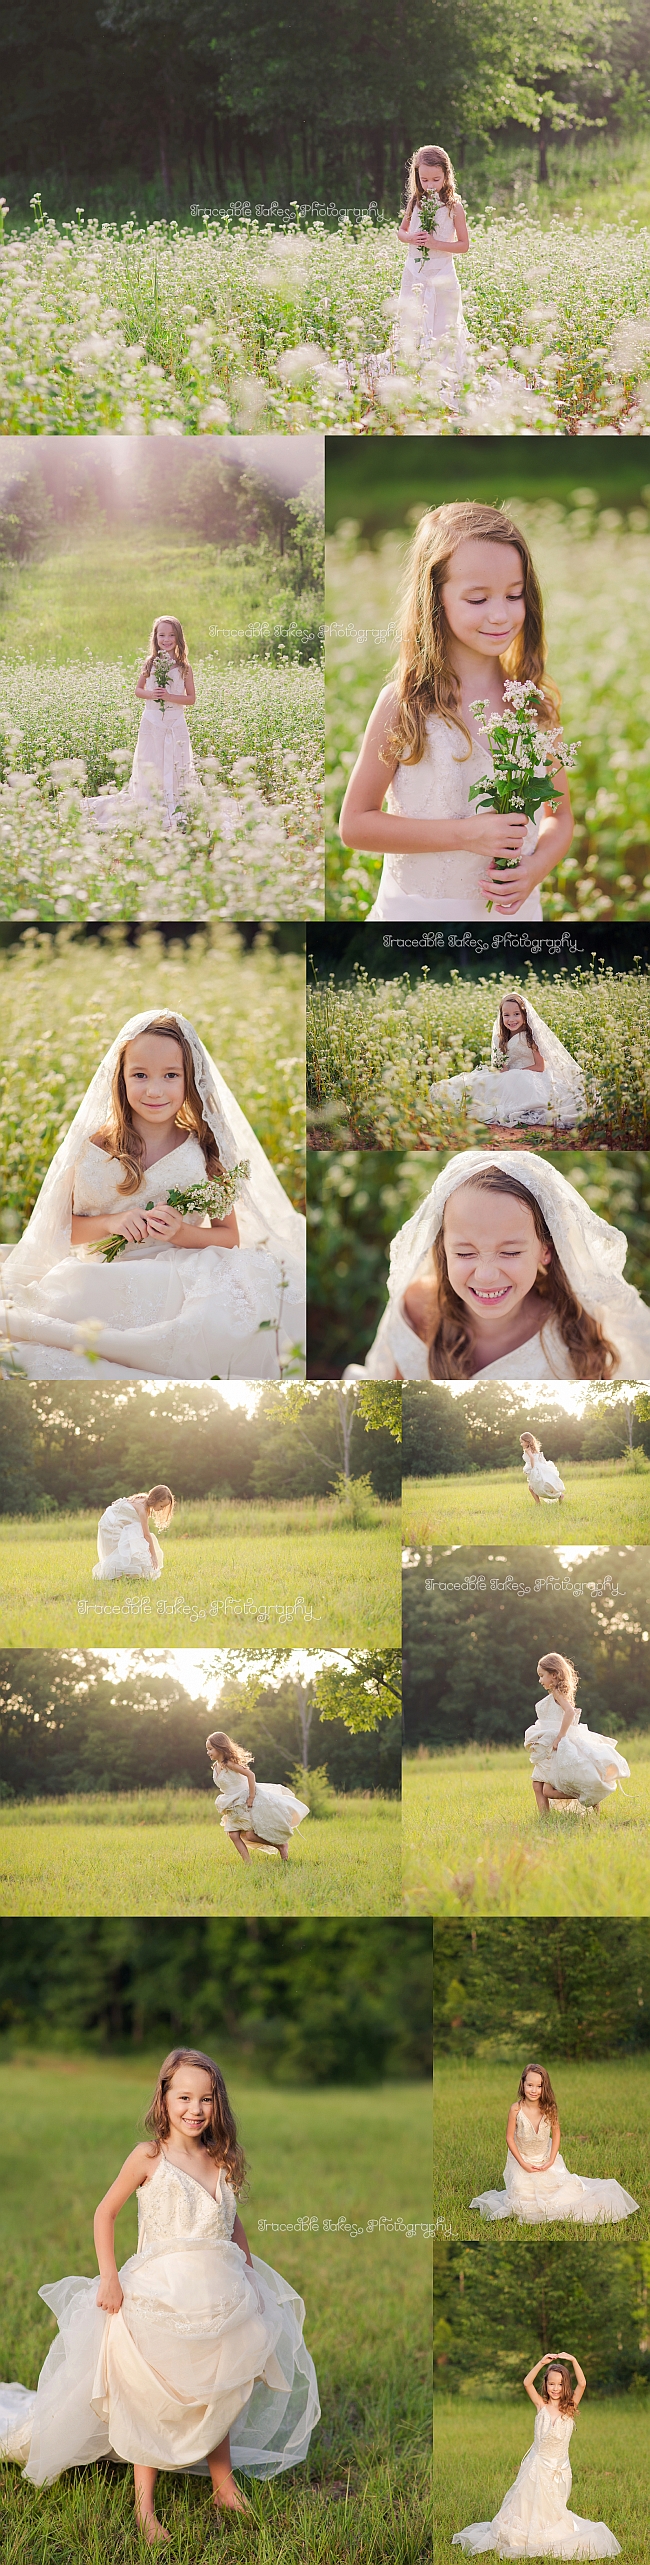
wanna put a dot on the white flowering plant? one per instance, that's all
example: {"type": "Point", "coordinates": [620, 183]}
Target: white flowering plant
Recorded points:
{"type": "Point", "coordinates": [525, 757]}
{"type": "Point", "coordinates": [162, 671]}
{"type": "Point", "coordinates": [216, 1196]}
{"type": "Point", "coordinates": [428, 220]}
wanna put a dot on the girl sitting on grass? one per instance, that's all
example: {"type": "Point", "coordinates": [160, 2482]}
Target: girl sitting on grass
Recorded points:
{"type": "Point", "coordinates": [252, 1812]}
{"type": "Point", "coordinates": [568, 1762]}
{"type": "Point", "coordinates": [543, 1479]}
{"type": "Point", "coordinates": [158, 2366]}
{"type": "Point", "coordinates": [126, 1545]}
{"type": "Point", "coordinates": [472, 620]}
{"type": "Point", "coordinates": [538, 2184]}
{"type": "Point", "coordinates": [533, 2519]}
{"type": "Point", "coordinates": [435, 230]}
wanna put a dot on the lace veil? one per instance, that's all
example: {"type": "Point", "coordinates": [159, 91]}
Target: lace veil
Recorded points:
{"type": "Point", "coordinates": [592, 1253]}
{"type": "Point", "coordinates": [568, 1082]}
{"type": "Point", "coordinates": [264, 1214]}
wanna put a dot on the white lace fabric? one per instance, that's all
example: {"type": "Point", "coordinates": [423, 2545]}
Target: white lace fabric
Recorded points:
{"type": "Point", "coordinates": [444, 885]}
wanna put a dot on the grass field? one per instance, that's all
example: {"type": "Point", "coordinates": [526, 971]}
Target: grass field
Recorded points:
{"type": "Point", "coordinates": [127, 326]}
{"type": "Point", "coordinates": [603, 1502]}
{"type": "Point", "coordinates": [474, 1843]}
{"type": "Point", "coordinates": [166, 1854]}
{"type": "Point", "coordinates": [334, 2153]}
{"type": "Point", "coordinates": [605, 2133]}
{"type": "Point", "coordinates": [480, 2446]}
{"type": "Point", "coordinates": [295, 1567]}
{"type": "Point", "coordinates": [375, 1048]}
{"type": "Point", "coordinates": [98, 592]}
{"type": "Point", "coordinates": [585, 556]}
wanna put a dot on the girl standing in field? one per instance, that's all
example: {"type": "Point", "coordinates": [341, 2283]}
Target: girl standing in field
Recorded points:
{"type": "Point", "coordinates": [126, 1545]}
{"type": "Point", "coordinates": [193, 1288]}
{"type": "Point", "coordinates": [538, 2183]}
{"type": "Point", "coordinates": [544, 1480]}
{"type": "Point", "coordinates": [163, 765]}
{"type": "Point", "coordinates": [533, 2519]}
{"type": "Point", "coordinates": [531, 1078]}
{"type": "Point", "coordinates": [472, 621]}
{"type": "Point", "coordinates": [568, 1761]}
{"type": "Point", "coordinates": [505, 1273]}
{"type": "Point", "coordinates": [252, 1812]}
{"type": "Point", "coordinates": [189, 2357]}
{"type": "Point", "coordinates": [435, 229]}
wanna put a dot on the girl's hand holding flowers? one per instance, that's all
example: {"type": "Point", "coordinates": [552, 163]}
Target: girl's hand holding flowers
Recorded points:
{"type": "Point", "coordinates": [162, 1220]}
{"type": "Point", "coordinates": [525, 758]}
{"type": "Point", "coordinates": [216, 1196]}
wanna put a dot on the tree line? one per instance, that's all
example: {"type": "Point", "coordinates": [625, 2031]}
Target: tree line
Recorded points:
{"type": "Point", "coordinates": [306, 2003]}
{"type": "Point", "coordinates": [475, 1623]}
{"type": "Point", "coordinates": [500, 2306]}
{"type": "Point", "coordinates": [576, 1990]}
{"type": "Point", "coordinates": [70, 1723]}
{"type": "Point", "coordinates": [478, 1427]}
{"type": "Point", "coordinates": [76, 1446]}
{"type": "Point", "coordinates": [323, 104]}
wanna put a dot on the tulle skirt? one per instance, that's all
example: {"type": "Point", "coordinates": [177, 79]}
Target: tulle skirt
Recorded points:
{"type": "Point", "coordinates": [493, 1095]}
{"type": "Point", "coordinates": [585, 1765]}
{"type": "Point", "coordinates": [274, 1815]}
{"type": "Point", "coordinates": [536, 2196]}
{"type": "Point", "coordinates": [126, 1555]}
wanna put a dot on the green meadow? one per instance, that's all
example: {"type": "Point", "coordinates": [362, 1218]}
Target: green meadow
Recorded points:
{"type": "Point", "coordinates": [230, 1570]}
{"type": "Point", "coordinates": [474, 1843]}
{"type": "Point", "coordinates": [480, 2446]}
{"type": "Point", "coordinates": [605, 2134]}
{"type": "Point", "coordinates": [165, 1853]}
{"type": "Point", "coordinates": [603, 1502]}
{"type": "Point", "coordinates": [327, 2154]}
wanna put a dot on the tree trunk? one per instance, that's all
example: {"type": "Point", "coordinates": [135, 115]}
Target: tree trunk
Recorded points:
{"type": "Point", "coordinates": [544, 139]}
{"type": "Point", "coordinates": [305, 1709]}
{"type": "Point", "coordinates": [346, 1410]}
{"type": "Point", "coordinates": [164, 164]}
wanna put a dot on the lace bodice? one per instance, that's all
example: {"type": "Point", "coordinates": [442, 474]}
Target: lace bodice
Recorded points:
{"type": "Point", "coordinates": [552, 2435]}
{"type": "Point", "coordinates": [535, 2144]}
{"type": "Point", "coordinates": [174, 2209]}
{"type": "Point", "coordinates": [439, 788]}
{"type": "Point", "coordinates": [97, 1178]}
{"type": "Point", "coordinates": [519, 1054]}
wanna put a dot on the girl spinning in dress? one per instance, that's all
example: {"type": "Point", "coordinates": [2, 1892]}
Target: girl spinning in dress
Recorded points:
{"type": "Point", "coordinates": [531, 1077]}
{"type": "Point", "coordinates": [544, 1480]}
{"type": "Point", "coordinates": [193, 1293]}
{"type": "Point", "coordinates": [472, 619]}
{"type": "Point", "coordinates": [189, 2357]}
{"type": "Point", "coordinates": [126, 1545]}
{"type": "Point", "coordinates": [533, 2519]}
{"type": "Point", "coordinates": [163, 764]}
{"type": "Point", "coordinates": [538, 2183]}
{"type": "Point", "coordinates": [435, 229]}
{"type": "Point", "coordinates": [505, 1273]}
{"type": "Point", "coordinates": [568, 1761]}
{"type": "Point", "coordinates": [252, 1812]}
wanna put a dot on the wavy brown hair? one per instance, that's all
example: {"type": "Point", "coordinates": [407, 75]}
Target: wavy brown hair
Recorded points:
{"type": "Point", "coordinates": [220, 2138]}
{"type": "Point", "coordinates": [180, 644]}
{"type": "Point", "coordinates": [119, 1137]}
{"type": "Point", "coordinates": [504, 1037]}
{"type": "Point", "coordinates": [563, 1673]}
{"type": "Point", "coordinates": [448, 193]}
{"type": "Point", "coordinates": [449, 1336]}
{"type": "Point", "coordinates": [424, 679]}
{"type": "Point", "coordinates": [531, 1438]}
{"type": "Point", "coordinates": [547, 2097]}
{"type": "Point", "coordinates": [566, 2404]}
{"type": "Point", "coordinates": [235, 1758]}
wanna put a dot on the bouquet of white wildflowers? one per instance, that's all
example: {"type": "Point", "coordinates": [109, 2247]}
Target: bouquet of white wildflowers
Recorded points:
{"type": "Point", "coordinates": [217, 1196]}
{"type": "Point", "coordinates": [428, 220]}
{"type": "Point", "coordinates": [525, 758]}
{"type": "Point", "coordinates": [163, 669]}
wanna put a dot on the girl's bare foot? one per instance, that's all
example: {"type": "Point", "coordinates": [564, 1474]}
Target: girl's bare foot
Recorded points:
{"type": "Point", "coordinates": [283, 1852]}
{"type": "Point", "coordinates": [240, 1847]}
{"type": "Point", "coordinates": [152, 2529]}
{"type": "Point", "coordinates": [227, 2497]}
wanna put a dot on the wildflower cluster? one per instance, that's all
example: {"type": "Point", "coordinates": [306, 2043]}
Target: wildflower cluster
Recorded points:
{"type": "Point", "coordinates": [216, 1197]}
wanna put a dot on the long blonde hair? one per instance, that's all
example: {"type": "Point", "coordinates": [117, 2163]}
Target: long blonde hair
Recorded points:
{"type": "Point", "coordinates": [535, 1447]}
{"type": "Point", "coordinates": [234, 1758]}
{"type": "Point", "coordinates": [448, 192]}
{"type": "Point", "coordinates": [119, 1137]}
{"type": "Point", "coordinates": [180, 645]}
{"type": "Point", "coordinates": [159, 1502]}
{"type": "Point", "coordinates": [563, 1673]}
{"type": "Point", "coordinates": [424, 678]}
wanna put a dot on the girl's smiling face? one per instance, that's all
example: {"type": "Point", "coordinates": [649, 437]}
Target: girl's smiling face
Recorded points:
{"type": "Point", "coordinates": [548, 1680]}
{"type": "Point", "coordinates": [154, 1078]}
{"type": "Point", "coordinates": [492, 1250]}
{"type": "Point", "coordinates": [483, 595]}
{"type": "Point", "coordinates": [189, 2101]}
{"type": "Point", "coordinates": [532, 2088]}
{"type": "Point", "coordinates": [554, 2385]}
{"type": "Point", "coordinates": [166, 638]}
{"type": "Point", "coordinates": [513, 1015]}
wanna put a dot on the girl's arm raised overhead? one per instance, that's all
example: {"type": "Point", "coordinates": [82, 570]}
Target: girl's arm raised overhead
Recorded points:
{"type": "Point", "coordinates": [371, 831]}
{"type": "Point", "coordinates": [532, 2374]}
{"type": "Point", "coordinates": [134, 2171]}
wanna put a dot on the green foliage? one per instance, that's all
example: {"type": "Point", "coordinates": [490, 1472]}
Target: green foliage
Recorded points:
{"type": "Point", "coordinates": [313, 1786]}
{"type": "Point", "coordinates": [67, 1723]}
{"type": "Point", "coordinates": [584, 553]}
{"type": "Point", "coordinates": [581, 1992]}
{"type": "Point", "coordinates": [68, 1449]}
{"type": "Point", "coordinates": [480, 2445]}
{"type": "Point", "coordinates": [474, 1844]}
{"type": "Point", "coordinates": [477, 1621]}
{"type": "Point", "coordinates": [375, 1048]}
{"type": "Point", "coordinates": [356, 1508]}
{"type": "Point", "coordinates": [368, 1687]}
{"type": "Point", "coordinates": [507, 2305]}
{"type": "Point", "coordinates": [477, 1425]}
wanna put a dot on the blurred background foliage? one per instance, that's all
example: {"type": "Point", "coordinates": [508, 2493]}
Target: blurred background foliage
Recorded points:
{"type": "Point", "coordinates": [500, 2306]}
{"type": "Point", "coordinates": [579, 1990]}
{"type": "Point", "coordinates": [478, 1426]}
{"type": "Point", "coordinates": [476, 1622]}
{"type": "Point", "coordinates": [71, 1447]}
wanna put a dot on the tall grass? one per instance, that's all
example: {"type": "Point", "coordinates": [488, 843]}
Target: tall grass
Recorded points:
{"type": "Point", "coordinates": [123, 1857]}
{"type": "Point", "coordinates": [480, 2446]}
{"type": "Point", "coordinates": [604, 1501]}
{"type": "Point", "coordinates": [475, 1845]}
{"type": "Point", "coordinates": [231, 1572]}
{"type": "Point", "coordinates": [603, 2108]}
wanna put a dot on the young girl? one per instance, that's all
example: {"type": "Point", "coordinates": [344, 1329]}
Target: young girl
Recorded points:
{"type": "Point", "coordinates": [543, 1479]}
{"type": "Point", "coordinates": [254, 1812]}
{"type": "Point", "coordinates": [531, 1077]}
{"type": "Point", "coordinates": [429, 298]}
{"type": "Point", "coordinates": [538, 2184]}
{"type": "Point", "coordinates": [163, 763]}
{"type": "Point", "coordinates": [189, 2357]}
{"type": "Point", "coordinates": [533, 2519]}
{"type": "Point", "coordinates": [472, 618]}
{"type": "Point", "coordinates": [504, 1273]}
{"type": "Point", "coordinates": [191, 1296]}
{"type": "Point", "coordinates": [568, 1761]}
{"type": "Point", "coordinates": [126, 1545]}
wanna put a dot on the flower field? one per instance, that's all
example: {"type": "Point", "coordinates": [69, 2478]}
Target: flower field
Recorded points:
{"type": "Point", "coordinates": [375, 1046]}
{"type": "Point", "coordinates": [594, 566]}
{"type": "Point", "coordinates": [140, 327]}
{"type": "Point", "coordinates": [249, 845]}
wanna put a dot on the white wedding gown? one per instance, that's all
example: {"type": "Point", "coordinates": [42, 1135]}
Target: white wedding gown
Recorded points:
{"type": "Point", "coordinates": [419, 886]}
{"type": "Point", "coordinates": [121, 1546]}
{"type": "Point", "coordinates": [398, 1354]}
{"type": "Point", "coordinates": [516, 1093]}
{"type": "Point", "coordinates": [543, 1477]}
{"type": "Point", "coordinates": [429, 302]}
{"type": "Point", "coordinates": [275, 1812]}
{"type": "Point", "coordinates": [163, 761]}
{"type": "Point", "coordinates": [202, 2345]}
{"type": "Point", "coordinates": [182, 1313]}
{"type": "Point", "coordinates": [540, 2194]}
{"type": "Point", "coordinates": [534, 2519]}
{"type": "Point", "coordinates": [586, 1766]}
